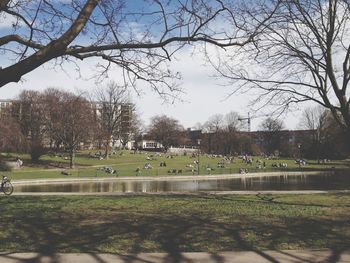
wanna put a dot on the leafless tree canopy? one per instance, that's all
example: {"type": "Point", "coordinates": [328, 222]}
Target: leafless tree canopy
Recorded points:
{"type": "Point", "coordinates": [138, 36]}
{"type": "Point", "coordinates": [328, 140]}
{"type": "Point", "coordinates": [271, 125]}
{"type": "Point", "coordinates": [110, 101]}
{"type": "Point", "coordinates": [11, 138]}
{"type": "Point", "coordinates": [30, 116]}
{"type": "Point", "coordinates": [314, 118]}
{"type": "Point", "coordinates": [272, 134]}
{"type": "Point", "coordinates": [302, 55]}
{"type": "Point", "coordinates": [222, 134]}
{"type": "Point", "coordinates": [73, 123]}
{"type": "Point", "coordinates": [214, 123]}
{"type": "Point", "coordinates": [165, 130]}
{"type": "Point", "coordinates": [230, 122]}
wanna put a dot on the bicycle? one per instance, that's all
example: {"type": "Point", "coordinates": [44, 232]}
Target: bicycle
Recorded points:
{"type": "Point", "coordinates": [6, 185]}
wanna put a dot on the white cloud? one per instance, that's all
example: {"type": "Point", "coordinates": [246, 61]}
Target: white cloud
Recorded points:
{"type": "Point", "coordinates": [7, 21]}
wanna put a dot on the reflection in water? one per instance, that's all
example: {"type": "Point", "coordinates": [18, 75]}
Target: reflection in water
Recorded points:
{"type": "Point", "coordinates": [339, 181]}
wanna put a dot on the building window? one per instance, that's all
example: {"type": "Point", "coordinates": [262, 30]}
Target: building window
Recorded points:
{"type": "Point", "coordinates": [151, 145]}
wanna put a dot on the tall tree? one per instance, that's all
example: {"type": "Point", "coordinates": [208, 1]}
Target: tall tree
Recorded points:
{"type": "Point", "coordinates": [137, 128]}
{"type": "Point", "coordinates": [165, 130]}
{"type": "Point", "coordinates": [28, 110]}
{"type": "Point", "coordinates": [138, 37]}
{"type": "Point", "coordinates": [52, 98]}
{"type": "Point", "coordinates": [231, 140]}
{"type": "Point", "coordinates": [303, 54]}
{"type": "Point", "coordinates": [328, 138]}
{"type": "Point", "coordinates": [213, 127]}
{"type": "Point", "coordinates": [72, 126]}
{"type": "Point", "coordinates": [214, 123]}
{"type": "Point", "coordinates": [114, 113]}
{"type": "Point", "coordinates": [222, 134]}
{"type": "Point", "coordinates": [271, 132]}
{"type": "Point", "coordinates": [315, 119]}
{"type": "Point", "coordinates": [11, 138]}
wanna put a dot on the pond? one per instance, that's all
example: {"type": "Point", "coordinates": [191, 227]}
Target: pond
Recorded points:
{"type": "Point", "coordinates": [331, 181]}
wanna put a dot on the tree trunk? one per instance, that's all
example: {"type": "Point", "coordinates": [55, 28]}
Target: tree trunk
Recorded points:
{"type": "Point", "coordinates": [36, 150]}
{"type": "Point", "coordinates": [348, 141]}
{"type": "Point", "coordinates": [107, 147]}
{"type": "Point", "coordinates": [71, 159]}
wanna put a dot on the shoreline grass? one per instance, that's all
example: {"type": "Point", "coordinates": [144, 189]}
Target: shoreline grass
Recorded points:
{"type": "Point", "coordinates": [126, 164]}
{"type": "Point", "coordinates": [172, 224]}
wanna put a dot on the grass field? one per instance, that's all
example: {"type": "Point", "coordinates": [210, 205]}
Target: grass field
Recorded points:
{"type": "Point", "coordinates": [134, 224]}
{"type": "Point", "coordinates": [126, 163]}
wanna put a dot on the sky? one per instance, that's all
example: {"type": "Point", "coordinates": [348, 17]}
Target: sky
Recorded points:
{"type": "Point", "coordinates": [202, 97]}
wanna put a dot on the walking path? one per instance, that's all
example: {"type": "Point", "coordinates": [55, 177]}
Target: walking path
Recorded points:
{"type": "Point", "coordinates": [288, 256]}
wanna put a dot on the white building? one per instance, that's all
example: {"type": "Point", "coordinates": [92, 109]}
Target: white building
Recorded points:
{"type": "Point", "coordinates": [149, 145]}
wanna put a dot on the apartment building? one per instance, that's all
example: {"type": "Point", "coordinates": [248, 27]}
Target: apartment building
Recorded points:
{"type": "Point", "coordinates": [125, 111]}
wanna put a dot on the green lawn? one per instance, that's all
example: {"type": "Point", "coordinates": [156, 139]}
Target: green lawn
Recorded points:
{"type": "Point", "coordinates": [126, 163]}
{"type": "Point", "coordinates": [134, 224]}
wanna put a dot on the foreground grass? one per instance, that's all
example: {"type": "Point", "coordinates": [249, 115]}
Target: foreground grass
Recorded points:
{"type": "Point", "coordinates": [134, 224]}
{"type": "Point", "coordinates": [126, 163]}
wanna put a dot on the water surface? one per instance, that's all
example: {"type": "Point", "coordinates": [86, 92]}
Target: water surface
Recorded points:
{"type": "Point", "coordinates": [331, 181]}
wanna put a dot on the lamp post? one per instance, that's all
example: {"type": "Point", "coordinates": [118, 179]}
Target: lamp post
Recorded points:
{"type": "Point", "coordinates": [199, 152]}
{"type": "Point", "coordinates": [299, 147]}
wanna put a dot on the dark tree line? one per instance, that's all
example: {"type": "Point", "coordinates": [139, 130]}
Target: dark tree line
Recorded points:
{"type": "Point", "coordinates": [222, 136]}
{"type": "Point", "coordinates": [50, 120]}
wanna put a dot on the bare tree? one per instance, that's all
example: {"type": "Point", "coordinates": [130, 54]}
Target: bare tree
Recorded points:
{"type": "Point", "coordinates": [313, 118]}
{"type": "Point", "coordinates": [11, 138]}
{"type": "Point", "coordinates": [302, 55]}
{"type": "Point", "coordinates": [28, 111]}
{"type": "Point", "coordinates": [328, 139]}
{"type": "Point", "coordinates": [52, 99]}
{"type": "Point", "coordinates": [272, 136]}
{"type": "Point", "coordinates": [214, 123]}
{"type": "Point", "coordinates": [230, 137]}
{"type": "Point", "coordinates": [114, 113]}
{"type": "Point", "coordinates": [165, 130]}
{"type": "Point", "coordinates": [213, 127]}
{"type": "Point", "coordinates": [139, 38]}
{"type": "Point", "coordinates": [137, 129]}
{"type": "Point", "coordinates": [222, 134]}
{"type": "Point", "coordinates": [72, 124]}
{"type": "Point", "coordinates": [232, 122]}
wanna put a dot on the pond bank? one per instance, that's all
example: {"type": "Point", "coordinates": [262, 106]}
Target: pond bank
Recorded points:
{"type": "Point", "coordinates": [198, 194]}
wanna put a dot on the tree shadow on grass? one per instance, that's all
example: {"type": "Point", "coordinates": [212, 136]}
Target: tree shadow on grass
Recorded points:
{"type": "Point", "coordinates": [128, 234]}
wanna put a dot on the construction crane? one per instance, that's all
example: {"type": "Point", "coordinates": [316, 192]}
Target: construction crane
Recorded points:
{"type": "Point", "coordinates": [249, 119]}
